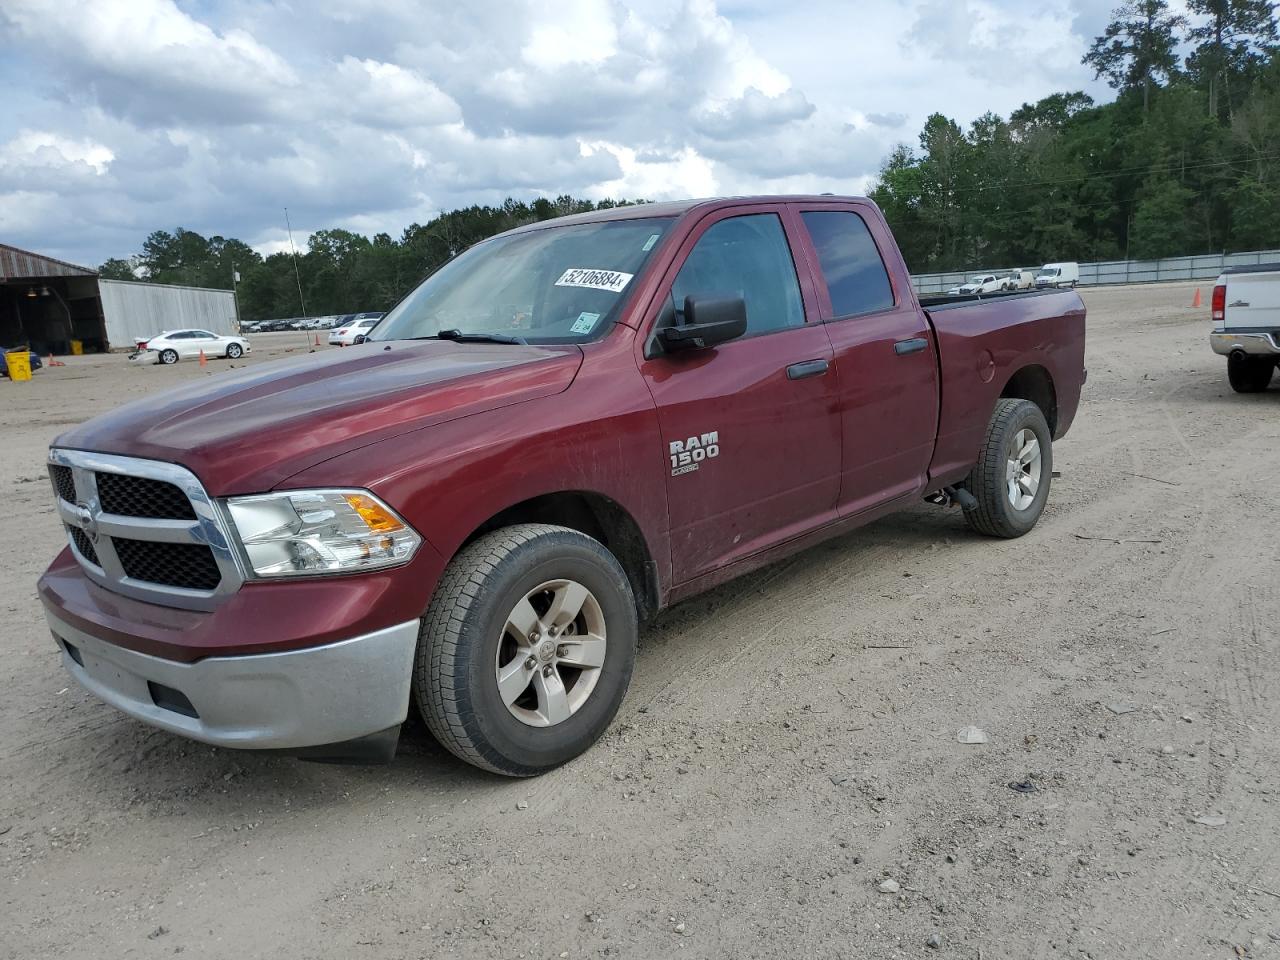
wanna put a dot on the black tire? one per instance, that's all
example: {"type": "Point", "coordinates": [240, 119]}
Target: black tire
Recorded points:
{"type": "Point", "coordinates": [168, 356]}
{"type": "Point", "coordinates": [454, 679]}
{"type": "Point", "coordinates": [995, 515]}
{"type": "Point", "coordinates": [1249, 374]}
{"type": "Point", "coordinates": [234, 351]}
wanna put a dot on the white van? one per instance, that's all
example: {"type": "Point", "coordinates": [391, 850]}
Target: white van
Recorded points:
{"type": "Point", "coordinates": [1019, 280]}
{"type": "Point", "coordinates": [1058, 275]}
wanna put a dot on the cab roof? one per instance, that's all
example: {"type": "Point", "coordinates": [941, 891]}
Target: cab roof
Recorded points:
{"type": "Point", "coordinates": [676, 208]}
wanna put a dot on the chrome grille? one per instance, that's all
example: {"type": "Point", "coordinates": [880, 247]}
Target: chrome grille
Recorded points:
{"type": "Point", "coordinates": [64, 484]}
{"type": "Point", "coordinates": [144, 528]}
{"type": "Point", "coordinates": [84, 544]}
{"type": "Point", "coordinates": [187, 565]}
{"type": "Point", "coordinates": [142, 497]}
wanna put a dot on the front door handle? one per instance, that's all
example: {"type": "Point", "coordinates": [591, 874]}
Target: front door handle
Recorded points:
{"type": "Point", "coordinates": [914, 345]}
{"type": "Point", "coordinates": [807, 368]}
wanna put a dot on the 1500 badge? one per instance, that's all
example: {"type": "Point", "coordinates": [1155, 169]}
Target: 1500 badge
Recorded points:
{"type": "Point", "coordinates": [687, 454]}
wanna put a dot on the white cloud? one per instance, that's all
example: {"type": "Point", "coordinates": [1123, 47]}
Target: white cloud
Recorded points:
{"type": "Point", "coordinates": [571, 32]}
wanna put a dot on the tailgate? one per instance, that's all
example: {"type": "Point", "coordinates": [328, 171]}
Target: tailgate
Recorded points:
{"type": "Point", "coordinates": [1253, 301]}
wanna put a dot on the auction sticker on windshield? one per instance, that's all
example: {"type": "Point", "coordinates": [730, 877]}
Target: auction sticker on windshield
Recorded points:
{"type": "Point", "coordinates": [610, 280]}
{"type": "Point", "coordinates": [585, 322]}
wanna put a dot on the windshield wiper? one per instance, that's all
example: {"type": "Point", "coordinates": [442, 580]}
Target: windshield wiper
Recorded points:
{"type": "Point", "coordinates": [457, 336]}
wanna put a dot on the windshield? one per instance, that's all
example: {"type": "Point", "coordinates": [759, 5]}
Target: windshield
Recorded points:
{"type": "Point", "coordinates": [558, 285]}
{"type": "Point", "coordinates": [978, 279]}
{"type": "Point", "coordinates": [1046, 272]}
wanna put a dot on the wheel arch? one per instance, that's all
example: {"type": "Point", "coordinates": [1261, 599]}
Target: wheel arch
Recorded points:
{"type": "Point", "coordinates": [599, 517]}
{"type": "Point", "coordinates": [1034, 383]}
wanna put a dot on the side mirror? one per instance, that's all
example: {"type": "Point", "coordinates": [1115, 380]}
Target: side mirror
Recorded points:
{"type": "Point", "coordinates": [707, 321]}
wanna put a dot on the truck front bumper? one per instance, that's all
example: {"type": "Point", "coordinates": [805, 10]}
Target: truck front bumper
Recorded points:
{"type": "Point", "coordinates": [1261, 343]}
{"type": "Point", "coordinates": [343, 700]}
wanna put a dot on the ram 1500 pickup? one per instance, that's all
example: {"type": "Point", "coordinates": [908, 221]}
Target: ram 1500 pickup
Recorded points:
{"type": "Point", "coordinates": [1246, 324]}
{"type": "Point", "coordinates": [559, 433]}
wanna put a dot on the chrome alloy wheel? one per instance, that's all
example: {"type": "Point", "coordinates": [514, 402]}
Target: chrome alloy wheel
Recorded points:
{"type": "Point", "coordinates": [1022, 471]}
{"type": "Point", "coordinates": [550, 653]}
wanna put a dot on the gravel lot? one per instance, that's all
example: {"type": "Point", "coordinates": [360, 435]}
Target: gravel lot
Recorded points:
{"type": "Point", "coordinates": [788, 744]}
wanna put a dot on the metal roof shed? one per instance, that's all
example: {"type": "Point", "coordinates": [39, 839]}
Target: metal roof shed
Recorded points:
{"type": "Point", "coordinates": [45, 303]}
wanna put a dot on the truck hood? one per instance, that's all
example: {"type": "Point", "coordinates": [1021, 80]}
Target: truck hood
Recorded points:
{"type": "Point", "coordinates": [247, 431]}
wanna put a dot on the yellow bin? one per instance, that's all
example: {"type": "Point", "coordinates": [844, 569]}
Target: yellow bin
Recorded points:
{"type": "Point", "coordinates": [77, 348]}
{"type": "Point", "coordinates": [19, 364]}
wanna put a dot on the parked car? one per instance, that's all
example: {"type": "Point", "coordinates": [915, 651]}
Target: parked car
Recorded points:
{"type": "Point", "coordinates": [33, 357]}
{"type": "Point", "coordinates": [345, 336]}
{"type": "Point", "coordinates": [1019, 280]}
{"type": "Point", "coordinates": [172, 345]}
{"type": "Point", "coordinates": [983, 283]}
{"type": "Point", "coordinates": [1245, 307]}
{"type": "Point", "coordinates": [1058, 275]}
{"type": "Point", "coordinates": [570, 427]}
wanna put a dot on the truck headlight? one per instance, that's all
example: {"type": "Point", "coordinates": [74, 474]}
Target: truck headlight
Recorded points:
{"type": "Point", "coordinates": [305, 532]}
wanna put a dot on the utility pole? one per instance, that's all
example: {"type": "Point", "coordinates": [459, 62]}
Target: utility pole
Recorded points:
{"type": "Point", "coordinates": [296, 274]}
{"type": "Point", "coordinates": [235, 293]}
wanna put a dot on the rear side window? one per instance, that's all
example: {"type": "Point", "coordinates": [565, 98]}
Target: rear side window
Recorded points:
{"type": "Point", "coordinates": [856, 277]}
{"type": "Point", "coordinates": [747, 257]}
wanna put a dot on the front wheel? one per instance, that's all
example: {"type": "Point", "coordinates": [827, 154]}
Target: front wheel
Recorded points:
{"type": "Point", "coordinates": [1011, 479]}
{"type": "Point", "coordinates": [234, 351]}
{"type": "Point", "coordinates": [1248, 374]}
{"type": "Point", "coordinates": [526, 650]}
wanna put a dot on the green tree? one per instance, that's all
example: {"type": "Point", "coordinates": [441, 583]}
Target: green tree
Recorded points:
{"type": "Point", "coordinates": [1160, 225]}
{"type": "Point", "coordinates": [1138, 48]}
{"type": "Point", "coordinates": [1234, 37]}
{"type": "Point", "coordinates": [117, 269]}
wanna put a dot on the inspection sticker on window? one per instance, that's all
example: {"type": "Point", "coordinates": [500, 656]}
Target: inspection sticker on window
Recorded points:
{"type": "Point", "coordinates": [585, 323]}
{"type": "Point", "coordinates": [648, 244]}
{"type": "Point", "coordinates": [610, 280]}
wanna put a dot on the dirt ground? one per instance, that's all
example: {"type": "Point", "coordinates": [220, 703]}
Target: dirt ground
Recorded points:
{"type": "Point", "coordinates": [788, 744]}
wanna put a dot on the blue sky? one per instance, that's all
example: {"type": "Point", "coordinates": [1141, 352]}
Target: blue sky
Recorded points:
{"type": "Point", "coordinates": [125, 116]}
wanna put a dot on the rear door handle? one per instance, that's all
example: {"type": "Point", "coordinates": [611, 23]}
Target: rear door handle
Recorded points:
{"type": "Point", "coordinates": [807, 368]}
{"type": "Point", "coordinates": [914, 345]}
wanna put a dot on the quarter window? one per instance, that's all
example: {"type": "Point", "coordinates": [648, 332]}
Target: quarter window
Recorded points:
{"type": "Point", "coordinates": [746, 257]}
{"type": "Point", "coordinates": [856, 278]}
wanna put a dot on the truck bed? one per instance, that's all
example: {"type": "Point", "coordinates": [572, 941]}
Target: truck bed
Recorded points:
{"type": "Point", "coordinates": [983, 342]}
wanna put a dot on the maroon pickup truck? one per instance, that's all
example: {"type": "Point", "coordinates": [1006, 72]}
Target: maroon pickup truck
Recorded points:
{"type": "Point", "coordinates": [556, 435]}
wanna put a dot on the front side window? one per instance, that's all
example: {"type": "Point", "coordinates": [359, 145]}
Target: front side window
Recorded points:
{"type": "Point", "coordinates": [557, 285]}
{"type": "Point", "coordinates": [746, 257]}
{"type": "Point", "coordinates": [856, 277]}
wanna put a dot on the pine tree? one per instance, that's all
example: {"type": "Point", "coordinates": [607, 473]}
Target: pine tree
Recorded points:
{"type": "Point", "coordinates": [1138, 48]}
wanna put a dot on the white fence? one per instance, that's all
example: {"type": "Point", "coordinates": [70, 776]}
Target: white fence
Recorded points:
{"type": "Point", "coordinates": [140, 310]}
{"type": "Point", "coordinates": [1205, 267]}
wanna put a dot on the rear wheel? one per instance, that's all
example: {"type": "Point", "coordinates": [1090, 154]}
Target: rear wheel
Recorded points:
{"type": "Point", "coordinates": [1014, 470]}
{"type": "Point", "coordinates": [1249, 374]}
{"type": "Point", "coordinates": [527, 649]}
{"type": "Point", "coordinates": [169, 355]}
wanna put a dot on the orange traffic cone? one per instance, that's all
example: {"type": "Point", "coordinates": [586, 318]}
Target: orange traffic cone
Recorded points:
{"type": "Point", "coordinates": [54, 363]}
{"type": "Point", "coordinates": [1195, 301]}
{"type": "Point", "coordinates": [317, 339]}
{"type": "Point", "coordinates": [204, 361]}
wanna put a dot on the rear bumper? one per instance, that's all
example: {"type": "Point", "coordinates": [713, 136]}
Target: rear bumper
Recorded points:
{"type": "Point", "coordinates": [293, 700]}
{"type": "Point", "coordinates": [1261, 343]}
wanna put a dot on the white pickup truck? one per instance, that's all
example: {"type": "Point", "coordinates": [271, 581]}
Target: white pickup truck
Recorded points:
{"type": "Point", "coordinates": [1246, 324]}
